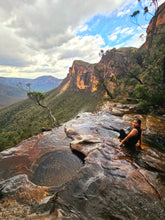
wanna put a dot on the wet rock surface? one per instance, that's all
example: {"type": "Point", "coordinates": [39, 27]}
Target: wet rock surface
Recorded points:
{"type": "Point", "coordinates": [113, 183]}
{"type": "Point", "coordinates": [40, 152]}
{"type": "Point", "coordinates": [57, 168]}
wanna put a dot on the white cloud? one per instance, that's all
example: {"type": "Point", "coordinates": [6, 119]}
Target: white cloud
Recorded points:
{"type": "Point", "coordinates": [122, 13]}
{"type": "Point", "coordinates": [42, 20]}
{"type": "Point", "coordinates": [112, 37]}
{"type": "Point", "coordinates": [127, 31]}
{"type": "Point", "coordinates": [41, 36]}
{"type": "Point", "coordinates": [83, 28]}
{"type": "Point", "coordinates": [121, 33]}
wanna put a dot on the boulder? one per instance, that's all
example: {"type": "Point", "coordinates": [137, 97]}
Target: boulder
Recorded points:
{"type": "Point", "coordinates": [155, 125]}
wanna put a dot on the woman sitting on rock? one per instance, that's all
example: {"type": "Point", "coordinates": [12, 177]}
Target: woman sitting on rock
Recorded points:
{"type": "Point", "coordinates": [133, 137]}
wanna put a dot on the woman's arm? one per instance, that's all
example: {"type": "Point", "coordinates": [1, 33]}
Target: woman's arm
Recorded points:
{"type": "Point", "coordinates": [134, 132]}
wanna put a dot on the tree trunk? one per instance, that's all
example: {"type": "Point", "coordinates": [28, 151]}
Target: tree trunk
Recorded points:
{"type": "Point", "coordinates": [108, 92]}
{"type": "Point", "coordinates": [50, 113]}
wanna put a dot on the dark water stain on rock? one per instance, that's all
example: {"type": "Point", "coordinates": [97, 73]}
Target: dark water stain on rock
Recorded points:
{"type": "Point", "coordinates": [80, 155]}
{"type": "Point", "coordinates": [56, 168]}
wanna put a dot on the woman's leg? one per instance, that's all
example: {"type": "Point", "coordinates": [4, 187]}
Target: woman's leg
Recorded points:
{"type": "Point", "coordinates": [122, 134]}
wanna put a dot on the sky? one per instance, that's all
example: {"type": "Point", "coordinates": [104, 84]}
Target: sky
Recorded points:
{"type": "Point", "coordinates": [44, 37]}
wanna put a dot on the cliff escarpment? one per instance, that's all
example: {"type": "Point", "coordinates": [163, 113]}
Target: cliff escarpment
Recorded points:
{"type": "Point", "coordinates": [155, 27]}
{"type": "Point", "coordinates": [81, 76]}
{"type": "Point", "coordinates": [128, 73]}
{"type": "Point", "coordinates": [87, 77]}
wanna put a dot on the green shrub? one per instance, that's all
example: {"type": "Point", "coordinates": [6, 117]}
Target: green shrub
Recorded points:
{"type": "Point", "coordinates": [141, 92]}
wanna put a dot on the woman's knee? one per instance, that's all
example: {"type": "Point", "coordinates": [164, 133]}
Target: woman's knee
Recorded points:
{"type": "Point", "coordinates": [122, 134]}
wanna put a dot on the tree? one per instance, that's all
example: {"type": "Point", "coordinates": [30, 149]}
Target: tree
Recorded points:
{"type": "Point", "coordinates": [28, 86]}
{"type": "Point", "coordinates": [26, 89]}
{"type": "Point", "coordinates": [37, 97]}
{"type": "Point", "coordinates": [133, 70]}
{"type": "Point", "coordinates": [117, 67]}
{"type": "Point", "coordinates": [146, 10]}
{"type": "Point", "coordinates": [151, 92]}
{"type": "Point", "coordinates": [104, 72]}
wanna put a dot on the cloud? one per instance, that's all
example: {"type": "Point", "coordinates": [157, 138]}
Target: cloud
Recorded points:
{"type": "Point", "coordinates": [83, 28]}
{"type": "Point", "coordinates": [86, 46]}
{"type": "Point", "coordinates": [120, 33]}
{"type": "Point", "coordinates": [135, 41]}
{"type": "Point", "coordinates": [46, 20]}
{"type": "Point", "coordinates": [35, 34]}
{"type": "Point", "coordinates": [127, 31]}
{"type": "Point", "coordinates": [11, 61]}
{"type": "Point", "coordinates": [122, 13]}
{"type": "Point", "coordinates": [112, 37]}
{"type": "Point", "coordinates": [13, 50]}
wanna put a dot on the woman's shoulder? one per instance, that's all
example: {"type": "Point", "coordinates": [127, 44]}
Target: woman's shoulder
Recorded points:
{"type": "Point", "coordinates": [134, 131]}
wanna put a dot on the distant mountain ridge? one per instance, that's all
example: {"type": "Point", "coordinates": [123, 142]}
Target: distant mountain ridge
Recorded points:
{"type": "Point", "coordinates": [41, 84]}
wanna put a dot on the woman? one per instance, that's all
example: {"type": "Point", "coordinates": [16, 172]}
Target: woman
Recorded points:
{"type": "Point", "coordinates": [134, 136]}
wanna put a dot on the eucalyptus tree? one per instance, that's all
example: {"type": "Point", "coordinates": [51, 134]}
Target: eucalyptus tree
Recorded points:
{"type": "Point", "coordinates": [38, 97]}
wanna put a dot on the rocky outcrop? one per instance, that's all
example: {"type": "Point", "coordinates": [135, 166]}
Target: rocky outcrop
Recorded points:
{"type": "Point", "coordinates": [155, 26]}
{"type": "Point", "coordinates": [81, 76]}
{"type": "Point", "coordinates": [160, 18]}
{"type": "Point", "coordinates": [78, 171]}
{"type": "Point", "coordinates": [117, 64]}
{"type": "Point", "coordinates": [116, 175]}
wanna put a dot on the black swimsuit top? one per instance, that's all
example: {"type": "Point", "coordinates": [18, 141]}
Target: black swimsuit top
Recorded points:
{"type": "Point", "coordinates": [133, 140]}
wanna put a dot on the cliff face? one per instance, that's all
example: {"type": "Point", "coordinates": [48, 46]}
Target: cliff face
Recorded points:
{"type": "Point", "coordinates": [85, 77]}
{"type": "Point", "coordinates": [159, 17]}
{"type": "Point", "coordinates": [81, 76]}
{"type": "Point", "coordinates": [116, 64]}
{"type": "Point", "coordinates": [155, 27]}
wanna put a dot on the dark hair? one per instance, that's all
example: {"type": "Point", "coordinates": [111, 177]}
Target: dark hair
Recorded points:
{"type": "Point", "coordinates": [138, 121]}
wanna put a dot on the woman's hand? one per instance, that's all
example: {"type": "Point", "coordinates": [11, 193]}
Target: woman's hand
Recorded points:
{"type": "Point", "coordinates": [121, 143]}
